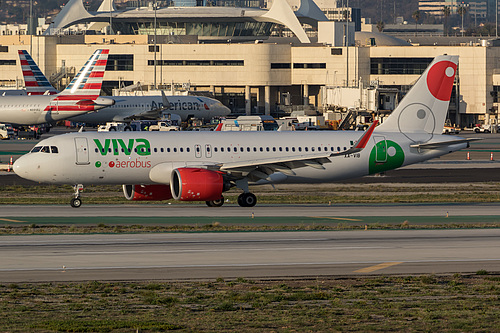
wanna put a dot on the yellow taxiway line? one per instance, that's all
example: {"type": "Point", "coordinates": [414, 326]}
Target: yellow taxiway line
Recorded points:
{"type": "Point", "coordinates": [377, 267]}
{"type": "Point", "coordinates": [16, 221]}
{"type": "Point", "coordinates": [335, 218]}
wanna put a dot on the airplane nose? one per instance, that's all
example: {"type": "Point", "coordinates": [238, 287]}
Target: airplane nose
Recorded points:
{"type": "Point", "coordinates": [23, 167]}
{"type": "Point", "coordinates": [227, 111]}
{"type": "Point", "coordinates": [19, 166]}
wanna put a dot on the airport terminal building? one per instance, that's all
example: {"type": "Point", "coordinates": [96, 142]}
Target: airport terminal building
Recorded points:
{"type": "Point", "coordinates": [232, 52]}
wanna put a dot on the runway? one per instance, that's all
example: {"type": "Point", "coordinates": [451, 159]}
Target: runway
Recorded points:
{"type": "Point", "coordinates": [176, 256]}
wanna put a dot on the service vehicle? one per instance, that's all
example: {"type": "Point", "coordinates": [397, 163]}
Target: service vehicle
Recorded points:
{"type": "Point", "coordinates": [250, 123]}
{"type": "Point", "coordinates": [114, 126]}
{"type": "Point", "coordinates": [6, 131]}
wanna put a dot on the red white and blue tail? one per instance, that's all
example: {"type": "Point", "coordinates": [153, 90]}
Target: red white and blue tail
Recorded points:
{"type": "Point", "coordinates": [82, 94]}
{"type": "Point", "coordinates": [35, 82]}
{"type": "Point", "coordinates": [422, 112]}
{"type": "Point", "coordinates": [88, 81]}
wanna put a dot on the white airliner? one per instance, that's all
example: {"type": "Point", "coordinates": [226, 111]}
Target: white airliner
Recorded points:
{"type": "Point", "coordinates": [80, 97]}
{"type": "Point", "coordinates": [127, 107]}
{"type": "Point", "coordinates": [200, 166]}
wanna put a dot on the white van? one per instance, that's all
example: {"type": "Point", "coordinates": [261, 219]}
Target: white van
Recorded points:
{"type": "Point", "coordinates": [6, 131]}
{"type": "Point", "coordinates": [114, 126]}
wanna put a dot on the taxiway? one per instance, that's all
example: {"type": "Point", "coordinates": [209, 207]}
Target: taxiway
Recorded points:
{"type": "Point", "coordinates": [250, 255]}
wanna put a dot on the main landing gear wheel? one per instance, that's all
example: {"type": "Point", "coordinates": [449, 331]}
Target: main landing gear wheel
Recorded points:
{"type": "Point", "coordinates": [215, 203]}
{"type": "Point", "coordinates": [76, 202]}
{"type": "Point", "coordinates": [247, 200]}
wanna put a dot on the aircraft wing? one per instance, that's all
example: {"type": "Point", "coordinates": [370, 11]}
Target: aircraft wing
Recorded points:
{"type": "Point", "coordinates": [155, 113]}
{"type": "Point", "coordinates": [262, 168]}
{"type": "Point", "coordinates": [433, 145]}
{"type": "Point", "coordinates": [258, 169]}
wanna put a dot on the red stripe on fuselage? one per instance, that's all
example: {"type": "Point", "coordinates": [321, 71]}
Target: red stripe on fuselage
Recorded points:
{"type": "Point", "coordinates": [67, 108]}
{"type": "Point", "coordinates": [74, 97]}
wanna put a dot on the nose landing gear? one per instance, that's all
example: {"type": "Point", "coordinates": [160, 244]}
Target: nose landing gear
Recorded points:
{"type": "Point", "coordinates": [76, 201]}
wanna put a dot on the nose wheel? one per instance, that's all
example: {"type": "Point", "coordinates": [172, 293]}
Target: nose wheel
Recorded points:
{"type": "Point", "coordinates": [247, 199]}
{"type": "Point", "coordinates": [76, 202]}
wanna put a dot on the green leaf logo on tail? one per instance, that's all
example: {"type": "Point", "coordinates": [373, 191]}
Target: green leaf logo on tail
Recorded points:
{"type": "Point", "coordinates": [385, 155]}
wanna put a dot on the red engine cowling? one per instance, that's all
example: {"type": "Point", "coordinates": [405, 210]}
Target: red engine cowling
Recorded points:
{"type": "Point", "coordinates": [147, 192]}
{"type": "Point", "coordinates": [195, 184]}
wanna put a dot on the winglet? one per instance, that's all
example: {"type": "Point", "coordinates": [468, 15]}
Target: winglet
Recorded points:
{"type": "Point", "coordinates": [166, 102]}
{"type": "Point", "coordinates": [219, 127]}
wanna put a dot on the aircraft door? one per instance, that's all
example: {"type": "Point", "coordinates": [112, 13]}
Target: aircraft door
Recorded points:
{"type": "Point", "coordinates": [54, 106]}
{"type": "Point", "coordinates": [82, 151]}
{"type": "Point", "coordinates": [197, 151]}
{"type": "Point", "coordinates": [208, 151]}
{"type": "Point", "coordinates": [381, 149]}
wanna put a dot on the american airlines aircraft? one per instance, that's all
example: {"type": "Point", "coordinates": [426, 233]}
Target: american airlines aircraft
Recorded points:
{"type": "Point", "coordinates": [201, 166]}
{"type": "Point", "coordinates": [80, 97]}
{"type": "Point", "coordinates": [127, 107]}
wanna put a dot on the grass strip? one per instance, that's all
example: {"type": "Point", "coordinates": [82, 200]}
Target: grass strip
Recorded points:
{"type": "Point", "coordinates": [85, 225]}
{"type": "Point", "coordinates": [456, 303]}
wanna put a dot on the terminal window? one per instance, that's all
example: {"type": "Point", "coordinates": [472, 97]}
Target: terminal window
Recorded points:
{"type": "Point", "coordinates": [398, 66]}
{"type": "Point", "coordinates": [336, 51]}
{"type": "Point", "coordinates": [120, 62]}
{"type": "Point", "coordinates": [152, 48]}
{"type": "Point", "coordinates": [197, 62]}
{"type": "Point", "coordinates": [279, 65]}
{"type": "Point", "coordinates": [309, 65]}
{"type": "Point", "coordinates": [7, 62]}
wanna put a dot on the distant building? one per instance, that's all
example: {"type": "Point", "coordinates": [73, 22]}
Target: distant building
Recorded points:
{"type": "Point", "coordinates": [229, 21]}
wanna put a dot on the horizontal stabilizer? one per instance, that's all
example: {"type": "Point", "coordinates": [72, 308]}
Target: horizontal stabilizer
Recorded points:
{"type": "Point", "coordinates": [433, 145]}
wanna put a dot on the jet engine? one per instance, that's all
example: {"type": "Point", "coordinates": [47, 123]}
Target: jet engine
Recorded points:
{"type": "Point", "coordinates": [195, 184]}
{"type": "Point", "coordinates": [147, 192]}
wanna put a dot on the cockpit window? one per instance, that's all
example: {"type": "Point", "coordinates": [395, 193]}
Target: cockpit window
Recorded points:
{"type": "Point", "coordinates": [36, 149]}
{"type": "Point", "coordinates": [54, 149]}
{"type": "Point", "coordinates": [45, 149]}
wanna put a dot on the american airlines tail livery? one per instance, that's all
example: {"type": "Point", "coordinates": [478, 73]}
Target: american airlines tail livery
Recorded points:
{"type": "Point", "coordinates": [80, 97]}
{"type": "Point", "coordinates": [34, 81]}
{"type": "Point", "coordinates": [201, 166]}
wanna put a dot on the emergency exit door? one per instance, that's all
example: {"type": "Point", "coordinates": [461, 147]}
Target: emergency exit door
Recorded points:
{"type": "Point", "coordinates": [82, 151]}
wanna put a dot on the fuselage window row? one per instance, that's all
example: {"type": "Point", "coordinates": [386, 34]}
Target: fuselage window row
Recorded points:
{"type": "Point", "coordinates": [216, 150]}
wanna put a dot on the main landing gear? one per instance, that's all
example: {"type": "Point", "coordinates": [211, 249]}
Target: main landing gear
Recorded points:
{"type": "Point", "coordinates": [215, 203]}
{"type": "Point", "coordinates": [76, 201]}
{"type": "Point", "coordinates": [247, 199]}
